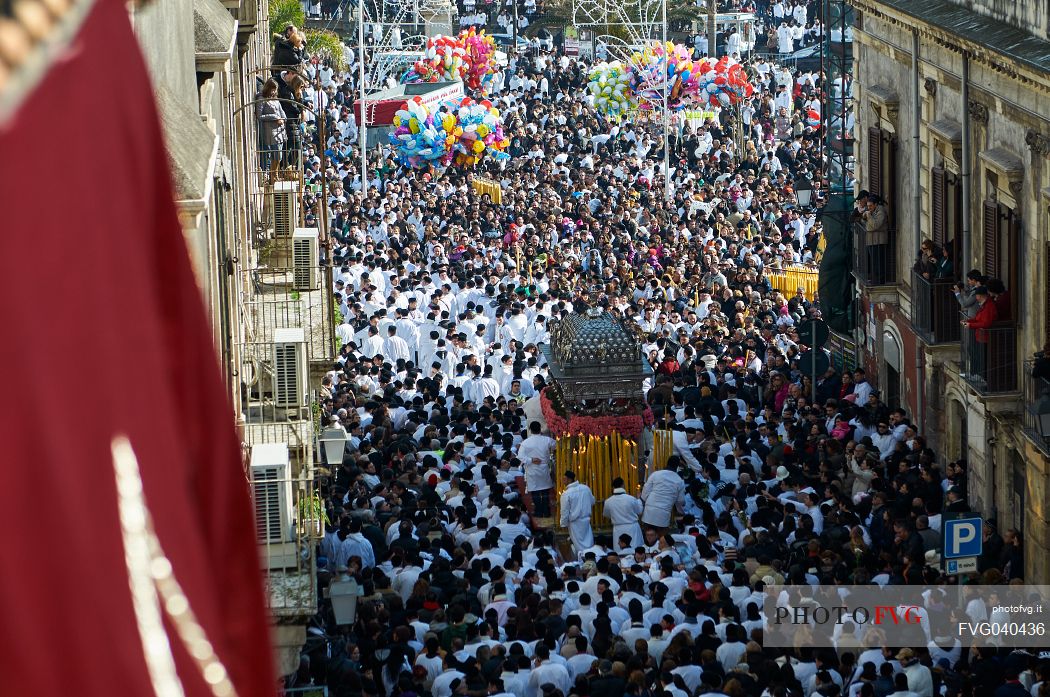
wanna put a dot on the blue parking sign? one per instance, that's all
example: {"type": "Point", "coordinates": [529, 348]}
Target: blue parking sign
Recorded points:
{"type": "Point", "coordinates": [962, 537]}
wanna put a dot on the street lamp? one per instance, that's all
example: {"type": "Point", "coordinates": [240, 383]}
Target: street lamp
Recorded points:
{"type": "Point", "coordinates": [344, 593]}
{"type": "Point", "coordinates": [803, 192]}
{"type": "Point", "coordinates": [333, 441]}
{"type": "Point", "coordinates": [667, 141]}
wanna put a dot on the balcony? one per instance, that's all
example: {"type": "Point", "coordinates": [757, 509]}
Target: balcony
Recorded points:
{"type": "Point", "coordinates": [989, 358]}
{"type": "Point", "coordinates": [874, 265]}
{"type": "Point", "coordinates": [1037, 408]}
{"type": "Point", "coordinates": [934, 310]}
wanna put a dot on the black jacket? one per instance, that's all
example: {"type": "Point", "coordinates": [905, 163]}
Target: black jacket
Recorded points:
{"type": "Point", "coordinates": [286, 56]}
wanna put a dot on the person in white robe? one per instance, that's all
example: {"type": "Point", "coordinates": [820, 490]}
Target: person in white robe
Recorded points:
{"type": "Point", "coordinates": [395, 347]}
{"type": "Point", "coordinates": [577, 502]}
{"type": "Point", "coordinates": [624, 511]}
{"type": "Point", "coordinates": [663, 491]}
{"type": "Point", "coordinates": [535, 454]}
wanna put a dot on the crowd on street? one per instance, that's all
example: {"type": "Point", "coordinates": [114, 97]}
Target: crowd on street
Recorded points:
{"type": "Point", "coordinates": [445, 505]}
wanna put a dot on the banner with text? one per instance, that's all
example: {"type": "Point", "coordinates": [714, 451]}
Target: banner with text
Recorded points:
{"type": "Point", "coordinates": [907, 616]}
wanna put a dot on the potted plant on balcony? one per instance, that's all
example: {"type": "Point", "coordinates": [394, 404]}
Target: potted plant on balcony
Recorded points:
{"type": "Point", "coordinates": [314, 516]}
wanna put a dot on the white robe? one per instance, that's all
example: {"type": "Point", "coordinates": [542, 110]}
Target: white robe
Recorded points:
{"type": "Point", "coordinates": [662, 491]}
{"type": "Point", "coordinates": [623, 510]}
{"type": "Point", "coordinates": [577, 502]}
{"type": "Point", "coordinates": [537, 474]}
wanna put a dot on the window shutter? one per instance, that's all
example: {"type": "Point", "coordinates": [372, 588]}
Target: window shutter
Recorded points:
{"type": "Point", "coordinates": [990, 233]}
{"type": "Point", "coordinates": [888, 165]}
{"type": "Point", "coordinates": [938, 207]}
{"type": "Point", "coordinates": [1046, 294]}
{"type": "Point", "coordinates": [1013, 265]}
{"type": "Point", "coordinates": [875, 160]}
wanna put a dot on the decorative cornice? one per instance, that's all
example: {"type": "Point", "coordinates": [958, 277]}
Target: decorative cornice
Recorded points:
{"type": "Point", "coordinates": [1037, 143]}
{"type": "Point", "coordinates": [945, 39]}
{"type": "Point", "coordinates": [978, 112]}
{"type": "Point", "coordinates": [930, 85]}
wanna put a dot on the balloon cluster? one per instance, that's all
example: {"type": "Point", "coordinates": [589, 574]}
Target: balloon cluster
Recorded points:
{"type": "Point", "coordinates": [445, 59]}
{"type": "Point", "coordinates": [723, 84]}
{"type": "Point", "coordinates": [610, 84]}
{"type": "Point", "coordinates": [460, 132]}
{"type": "Point", "coordinates": [481, 57]}
{"type": "Point", "coordinates": [469, 57]}
{"type": "Point", "coordinates": [647, 70]}
{"type": "Point", "coordinates": [667, 66]}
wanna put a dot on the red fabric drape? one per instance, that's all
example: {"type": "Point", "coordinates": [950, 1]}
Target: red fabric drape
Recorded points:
{"type": "Point", "coordinates": [105, 334]}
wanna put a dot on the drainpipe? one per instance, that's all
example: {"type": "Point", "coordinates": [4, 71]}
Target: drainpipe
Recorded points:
{"type": "Point", "coordinates": [965, 257]}
{"type": "Point", "coordinates": [964, 166]}
{"type": "Point", "coordinates": [920, 373]}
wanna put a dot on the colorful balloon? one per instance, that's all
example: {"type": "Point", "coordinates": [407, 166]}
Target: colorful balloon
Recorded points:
{"type": "Point", "coordinates": [469, 58]}
{"type": "Point", "coordinates": [610, 84]}
{"type": "Point", "coordinates": [480, 51]}
{"type": "Point", "coordinates": [661, 67]}
{"type": "Point", "coordinates": [460, 133]}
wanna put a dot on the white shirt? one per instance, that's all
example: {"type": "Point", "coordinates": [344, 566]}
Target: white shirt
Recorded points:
{"type": "Point", "coordinates": [534, 453]}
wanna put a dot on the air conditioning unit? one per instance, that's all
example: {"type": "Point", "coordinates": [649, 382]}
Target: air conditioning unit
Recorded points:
{"type": "Point", "coordinates": [305, 261]}
{"type": "Point", "coordinates": [285, 209]}
{"type": "Point", "coordinates": [290, 369]}
{"type": "Point", "coordinates": [272, 499]}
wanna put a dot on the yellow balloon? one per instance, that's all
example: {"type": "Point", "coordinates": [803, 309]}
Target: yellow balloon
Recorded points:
{"type": "Point", "coordinates": [479, 146]}
{"type": "Point", "coordinates": [483, 130]}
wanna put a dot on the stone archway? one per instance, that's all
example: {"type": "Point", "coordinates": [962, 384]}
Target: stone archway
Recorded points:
{"type": "Point", "coordinates": [891, 366]}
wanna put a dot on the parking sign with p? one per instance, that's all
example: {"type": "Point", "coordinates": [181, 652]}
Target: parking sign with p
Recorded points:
{"type": "Point", "coordinates": [962, 537]}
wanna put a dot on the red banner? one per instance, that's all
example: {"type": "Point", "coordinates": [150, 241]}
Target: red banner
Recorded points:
{"type": "Point", "coordinates": [106, 342]}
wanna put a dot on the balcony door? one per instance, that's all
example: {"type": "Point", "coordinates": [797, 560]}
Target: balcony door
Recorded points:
{"type": "Point", "coordinates": [946, 213]}
{"type": "Point", "coordinates": [882, 170]}
{"type": "Point", "coordinates": [1001, 230]}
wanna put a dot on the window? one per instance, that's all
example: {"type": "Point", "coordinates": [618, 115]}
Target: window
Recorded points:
{"type": "Point", "coordinates": [946, 210]}
{"type": "Point", "coordinates": [1046, 293]}
{"type": "Point", "coordinates": [882, 170]}
{"type": "Point", "coordinates": [1001, 230]}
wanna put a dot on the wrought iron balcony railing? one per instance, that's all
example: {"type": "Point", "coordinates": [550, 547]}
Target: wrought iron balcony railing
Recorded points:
{"type": "Point", "coordinates": [934, 309]}
{"type": "Point", "coordinates": [989, 357]}
{"type": "Point", "coordinates": [874, 264]}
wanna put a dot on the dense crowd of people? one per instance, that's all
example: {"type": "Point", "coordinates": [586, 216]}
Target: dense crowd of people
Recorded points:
{"type": "Point", "coordinates": [443, 506]}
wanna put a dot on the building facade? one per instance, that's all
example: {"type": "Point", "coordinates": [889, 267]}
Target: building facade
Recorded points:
{"type": "Point", "coordinates": [204, 56]}
{"type": "Point", "coordinates": [208, 59]}
{"type": "Point", "coordinates": [953, 131]}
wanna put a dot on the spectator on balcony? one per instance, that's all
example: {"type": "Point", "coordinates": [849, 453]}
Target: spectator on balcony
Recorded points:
{"type": "Point", "coordinates": [290, 90]}
{"type": "Point", "coordinates": [272, 134]}
{"type": "Point", "coordinates": [987, 314]}
{"type": "Point", "coordinates": [860, 204]}
{"type": "Point", "coordinates": [965, 292]}
{"type": "Point", "coordinates": [944, 267]}
{"type": "Point", "coordinates": [1001, 297]}
{"type": "Point", "coordinates": [926, 264]}
{"type": "Point", "coordinates": [877, 230]}
{"type": "Point", "coordinates": [1041, 367]}
{"type": "Point", "coordinates": [289, 51]}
